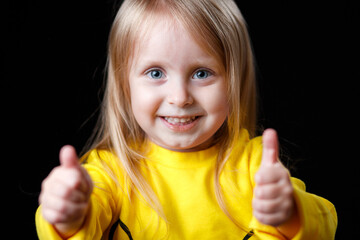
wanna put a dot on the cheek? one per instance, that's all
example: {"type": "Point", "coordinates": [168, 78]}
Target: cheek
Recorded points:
{"type": "Point", "coordinates": [219, 110]}
{"type": "Point", "coordinates": [220, 104]}
{"type": "Point", "coordinates": [215, 102]}
{"type": "Point", "coordinates": [144, 103]}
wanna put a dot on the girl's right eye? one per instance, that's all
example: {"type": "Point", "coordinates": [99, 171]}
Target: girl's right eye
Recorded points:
{"type": "Point", "coordinates": [155, 74]}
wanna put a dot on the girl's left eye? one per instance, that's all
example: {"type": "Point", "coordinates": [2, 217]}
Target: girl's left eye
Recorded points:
{"type": "Point", "coordinates": [202, 74]}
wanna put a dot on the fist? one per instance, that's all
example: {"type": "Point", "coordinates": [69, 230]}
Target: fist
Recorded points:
{"type": "Point", "coordinates": [66, 191]}
{"type": "Point", "coordinates": [273, 202]}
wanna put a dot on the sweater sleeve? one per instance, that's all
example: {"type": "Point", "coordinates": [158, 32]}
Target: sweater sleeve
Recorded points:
{"type": "Point", "coordinates": [317, 215]}
{"type": "Point", "coordinates": [104, 203]}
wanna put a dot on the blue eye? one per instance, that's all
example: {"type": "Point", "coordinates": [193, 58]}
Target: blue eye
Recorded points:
{"type": "Point", "coordinates": [155, 74]}
{"type": "Point", "coordinates": [202, 74]}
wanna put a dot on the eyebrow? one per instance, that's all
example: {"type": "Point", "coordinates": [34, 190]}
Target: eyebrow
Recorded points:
{"type": "Point", "coordinates": [199, 62]}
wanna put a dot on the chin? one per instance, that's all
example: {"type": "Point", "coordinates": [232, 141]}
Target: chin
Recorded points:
{"type": "Point", "coordinates": [185, 145]}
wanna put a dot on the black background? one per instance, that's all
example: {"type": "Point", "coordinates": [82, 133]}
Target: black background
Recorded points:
{"type": "Point", "coordinates": [307, 68]}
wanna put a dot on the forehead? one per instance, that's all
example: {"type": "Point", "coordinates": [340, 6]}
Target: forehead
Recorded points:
{"type": "Point", "coordinates": [168, 38]}
{"type": "Point", "coordinates": [160, 31]}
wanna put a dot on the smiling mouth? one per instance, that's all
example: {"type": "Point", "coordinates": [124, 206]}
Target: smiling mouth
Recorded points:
{"type": "Point", "coordinates": [180, 120]}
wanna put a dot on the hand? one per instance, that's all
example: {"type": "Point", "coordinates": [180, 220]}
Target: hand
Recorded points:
{"type": "Point", "coordinates": [273, 202]}
{"type": "Point", "coordinates": [65, 193]}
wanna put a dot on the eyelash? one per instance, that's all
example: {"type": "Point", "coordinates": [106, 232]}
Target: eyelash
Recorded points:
{"type": "Point", "coordinates": [208, 73]}
{"type": "Point", "coordinates": [151, 72]}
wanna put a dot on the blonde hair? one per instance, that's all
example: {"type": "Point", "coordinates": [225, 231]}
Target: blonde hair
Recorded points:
{"type": "Point", "coordinates": [219, 27]}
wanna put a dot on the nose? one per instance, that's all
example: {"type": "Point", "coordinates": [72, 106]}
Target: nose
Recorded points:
{"type": "Point", "coordinates": [179, 95]}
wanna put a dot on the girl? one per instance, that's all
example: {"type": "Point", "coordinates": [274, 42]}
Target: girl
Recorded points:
{"type": "Point", "coordinates": [173, 157]}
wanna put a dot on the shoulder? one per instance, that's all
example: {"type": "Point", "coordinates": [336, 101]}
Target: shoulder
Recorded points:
{"type": "Point", "coordinates": [95, 156]}
{"type": "Point", "coordinates": [103, 164]}
{"type": "Point", "coordinates": [246, 154]}
{"type": "Point", "coordinates": [105, 159]}
{"type": "Point", "coordinates": [246, 149]}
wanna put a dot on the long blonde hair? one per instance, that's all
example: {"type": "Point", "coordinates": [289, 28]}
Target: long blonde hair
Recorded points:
{"type": "Point", "coordinates": [219, 27]}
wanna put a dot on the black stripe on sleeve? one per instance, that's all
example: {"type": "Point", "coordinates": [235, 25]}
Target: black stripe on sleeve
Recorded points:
{"type": "Point", "coordinates": [249, 235]}
{"type": "Point", "coordinates": [123, 227]}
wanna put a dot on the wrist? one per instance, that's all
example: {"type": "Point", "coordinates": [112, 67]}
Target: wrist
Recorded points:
{"type": "Point", "coordinates": [292, 226]}
{"type": "Point", "coordinates": [66, 230]}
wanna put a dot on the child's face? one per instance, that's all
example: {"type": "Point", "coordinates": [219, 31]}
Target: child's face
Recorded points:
{"type": "Point", "coordinates": [178, 91]}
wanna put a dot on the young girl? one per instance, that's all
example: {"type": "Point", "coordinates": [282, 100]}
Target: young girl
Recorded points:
{"type": "Point", "coordinates": [173, 157]}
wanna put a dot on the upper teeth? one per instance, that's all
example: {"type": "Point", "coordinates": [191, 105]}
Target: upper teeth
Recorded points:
{"type": "Point", "coordinates": [179, 120]}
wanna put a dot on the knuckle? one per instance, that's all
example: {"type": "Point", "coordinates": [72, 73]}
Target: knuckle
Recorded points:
{"type": "Point", "coordinates": [265, 206]}
{"type": "Point", "coordinates": [288, 205]}
{"type": "Point", "coordinates": [258, 191]}
{"type": "Point", "coordinates": [260, 206]}
{"type": "Point", "coordinates": [62, 207]}
{"type": "Point", "coordinates": [41, 197]}
{"type": "Point", "coordinates": [258, 177]}
{"type": "Point", "coordinates": [77, 212]}
{"type": "Point", "coordinates": [52, 217]}
{"type": "Point", "coordinates": [48, 181]}
{"type": "Point", "coordinates": [76, 180]}
{"type": "Point", "coordinates": [288, 191]}
{"type": "Point", "coordinates": [67, 192]}
{"type": "Point", "coordinates": [57, 218]}
{"type": "Point", "coordinates": [45, 184]}
{"type": "Point", "coordinates": [284, 174]}
{"type": "Point", "coordinates": [54, 172]}
{"type": "Point", "coordinates": [270, 207]}
{"type": "Point", "coordinates": [255, 202]}
{"type": "Point", "coordinates": [263, 218]}
{"type": "Point", "coordinates": [274, 219]}
{"type": "Point", "coordinates": [285, 205]}
{"type": "Point", "coordinates": [69, 212]}
{"type": "Point", "coordinates": [49, 217]}
{"type": "Point", "coordinates": [81, 209]}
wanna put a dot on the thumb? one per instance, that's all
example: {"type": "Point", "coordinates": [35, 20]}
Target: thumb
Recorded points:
{"type": "Point", "coordinates": [68, 157]}
{"type": "Point", "coordinates": [270, 152]}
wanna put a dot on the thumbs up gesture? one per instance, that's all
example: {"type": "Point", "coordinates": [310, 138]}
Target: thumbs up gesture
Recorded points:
{"type": "Point", "coordinates": [273, 202]}
{"type": "Point", "coordinates": [65, 193]}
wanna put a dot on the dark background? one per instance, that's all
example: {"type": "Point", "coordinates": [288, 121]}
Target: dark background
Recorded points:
{"type": "Point", "coordinates": [307, 68]}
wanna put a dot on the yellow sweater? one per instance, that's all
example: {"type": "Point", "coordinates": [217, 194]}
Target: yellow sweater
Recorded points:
{"type": "Point", "coordinates": [184, 185]}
